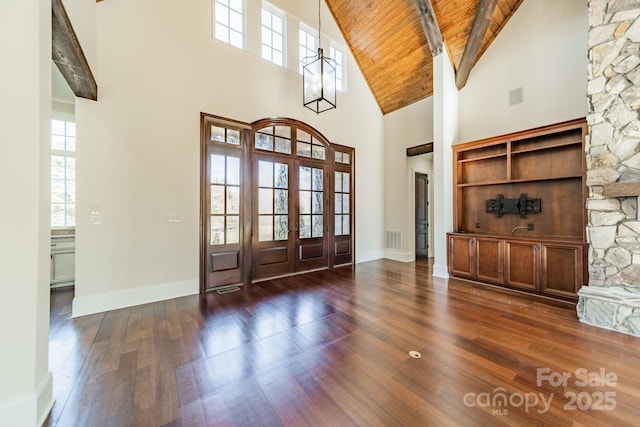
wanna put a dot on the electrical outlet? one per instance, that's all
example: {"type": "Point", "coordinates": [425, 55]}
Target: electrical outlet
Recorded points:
{"type": "Point", "coordinates": [529, 227]}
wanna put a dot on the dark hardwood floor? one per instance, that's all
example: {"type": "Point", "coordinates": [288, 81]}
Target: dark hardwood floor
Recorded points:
{"type": "Point", "coordinates": [332, 349]}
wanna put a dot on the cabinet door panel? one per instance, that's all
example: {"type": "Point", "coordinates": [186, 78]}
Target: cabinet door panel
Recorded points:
{"type": "Point", "coordinates": [489, 260]}
{"type": "Point", "coordinates": [461, 256]}
{"type": "Point", "coordinates": [561, 270]}
{"type": "Point", "coordinates": [521, 265]}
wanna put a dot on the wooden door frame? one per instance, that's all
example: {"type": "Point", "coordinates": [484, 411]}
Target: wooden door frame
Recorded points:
{"type": "Point", "coordinates": [248, 131]}
{"type": "Point", "coordinates": [206, 121]}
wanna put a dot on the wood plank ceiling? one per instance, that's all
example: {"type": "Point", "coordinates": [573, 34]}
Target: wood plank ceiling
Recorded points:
{"type": "Point", "coordinates": [389, 44]}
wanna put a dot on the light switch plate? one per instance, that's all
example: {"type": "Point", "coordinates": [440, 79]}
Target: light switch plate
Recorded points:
{"type": "Point", "coordinates": [174, 218]}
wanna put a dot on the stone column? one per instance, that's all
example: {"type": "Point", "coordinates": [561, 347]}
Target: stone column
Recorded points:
{"type": "Point", "coordinates": [612, 299]}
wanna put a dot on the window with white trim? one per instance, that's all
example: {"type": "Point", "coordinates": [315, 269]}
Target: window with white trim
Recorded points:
{"type": "Point", "coordinates": [229, 22]}
{"type": "Point", "coordinates": [337, 54]}
{"type": "Point", "coordinates": [63, 173]}
{"type": "Point", "coordinates": [273, 35]}
{"type": "Point", "coordinates": [307, 46]}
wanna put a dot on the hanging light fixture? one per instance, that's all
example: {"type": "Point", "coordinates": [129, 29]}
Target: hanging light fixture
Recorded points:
{"type": "Point", "coordinates": [319, 79]}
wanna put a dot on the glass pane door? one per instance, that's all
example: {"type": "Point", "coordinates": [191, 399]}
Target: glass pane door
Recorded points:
{"type": "Point", "coordinates": [311, 202]}
{"type": "Point", "coordinates": [312, 199]}
{"type": "Point", "coordinates": [342, 213]}
{"type": "Point", "coordinates": [225, 214]}
{"type": "Point", "coordinates": [273, 239]}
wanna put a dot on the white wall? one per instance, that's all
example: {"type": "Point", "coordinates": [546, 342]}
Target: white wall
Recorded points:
{"type": "Point", "coordinates": [404, 128]}
{"type": "Point", "coordinates": [543, 50]}
{"type": "Point", "coordinates": [157, 68]}
{"type": "Point", "coordinates": [25, 106]}
{"type": "Point", "coordinates": [63, 111]}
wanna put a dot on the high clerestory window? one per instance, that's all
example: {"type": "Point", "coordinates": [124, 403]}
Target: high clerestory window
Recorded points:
{"type": "Point", "coordinates": [307, 46]}
{"type": "Point", "coordinates": [229, 20]}
{"type": "Point", "coordinates": [229, 26]}
{"type": "Point", "coordinates": [273, 34]}
{"type": "Point", "coordinates": [337, 54]}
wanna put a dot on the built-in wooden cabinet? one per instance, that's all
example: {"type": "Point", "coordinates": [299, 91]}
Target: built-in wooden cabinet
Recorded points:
{"type": "Point", "coordinates": [540, 249]}
{"type": "Point", "coordinates": [550, 268]}
{"type": "Point", "coordinates": [476, 257]}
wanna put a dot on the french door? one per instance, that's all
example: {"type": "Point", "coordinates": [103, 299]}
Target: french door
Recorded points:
{"type": "Point", "coordinates": [273, 242]}
{"type": "Point", "coordinates": [312, 215]}
{"type": "Point", "coordinates": [292, 203]}
{"type": "Point", "coordinates": [224, 206]}
{"type": "Point", "coordinates": [276, 199]}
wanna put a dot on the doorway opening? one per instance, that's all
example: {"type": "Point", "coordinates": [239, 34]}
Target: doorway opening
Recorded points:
{"type": "Point", "coordinates": [277, 198]}
{"type": "Point", "coordinates": [421, 185]}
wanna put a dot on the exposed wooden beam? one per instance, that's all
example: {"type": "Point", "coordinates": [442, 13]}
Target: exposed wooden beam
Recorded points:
{"type": "Point", "coordinates": [420, 149]}
{"type": "Point", "coordinates": [430, 26]}
{"type": "Point", "coordinates": [68, 55]}
{"type": "Point", "coordinates": [474, 42]}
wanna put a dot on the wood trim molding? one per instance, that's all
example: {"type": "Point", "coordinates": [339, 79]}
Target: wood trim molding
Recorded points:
{"type": "Point", "coordinates": [68, 55]}
{"type": "Point", "coordinates": [474, 42]}
{"type": "Point", "coordinates": [622, 189]}
{"type": "Point", "coordinates": [430, 26]}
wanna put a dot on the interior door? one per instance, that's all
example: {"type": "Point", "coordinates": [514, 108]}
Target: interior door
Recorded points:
{"type": "Point", "coordinates": [273, 241]}
{"type": "Point", "coordinates": [311, 227]}
{"type": "Point", "coordinates": [422, 215]}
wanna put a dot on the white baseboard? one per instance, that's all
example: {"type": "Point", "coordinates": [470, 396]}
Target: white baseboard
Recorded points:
{"type": "Point", "coordinates": [440, 270]}
{"type": "Point", "coordinates": [368, 256]}
{"type": "Point", "coordinates": [83, 306]}
{"type": "Point", "coordinates": [400, 256]}
{"type": "Point", "coordinates": [31, 409]}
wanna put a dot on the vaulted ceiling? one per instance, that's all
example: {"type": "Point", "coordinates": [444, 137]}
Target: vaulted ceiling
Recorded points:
{"type": "Point", "coordinates": [388, 39]}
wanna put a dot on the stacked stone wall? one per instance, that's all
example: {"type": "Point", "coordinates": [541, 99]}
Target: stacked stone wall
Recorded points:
{"type": "Point", "coordinates": [613, 156]}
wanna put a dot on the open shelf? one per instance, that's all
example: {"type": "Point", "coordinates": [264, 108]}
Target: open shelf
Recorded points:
{"type": "Point", "coordinates": [518, 181]}
{"type": "Point", "coordinates": [545, 141]}
{"type": "Point", "coordinates": [497, 156]}
{"type": "Point", "coordinates": [483, 152]}
{"type": "Point", "coordinates": [550, 147]}
{"type": "Point", "coordinates": [547, 167]}
{"type": "Point", "coordinates": [487, 170]}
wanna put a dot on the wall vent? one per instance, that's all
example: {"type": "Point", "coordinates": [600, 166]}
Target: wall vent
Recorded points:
{"type": "Point", "coordinates": [393, 240]}
{"type": "Point", "coordinates": [516, 96]}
